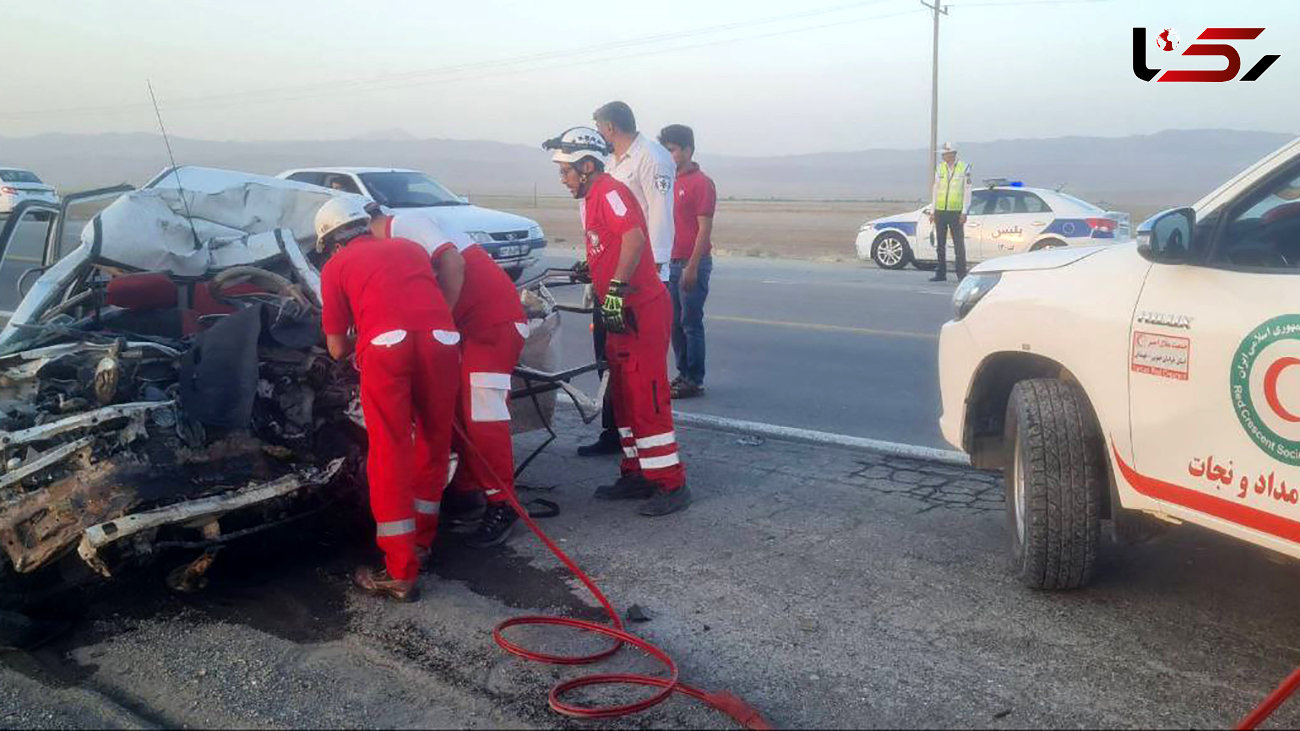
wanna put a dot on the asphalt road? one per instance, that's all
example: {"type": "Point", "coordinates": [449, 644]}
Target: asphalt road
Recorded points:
{"type": "Point", "coordinates": [839, 347]}
{"type": "Point", "coordinates": [829, 588]}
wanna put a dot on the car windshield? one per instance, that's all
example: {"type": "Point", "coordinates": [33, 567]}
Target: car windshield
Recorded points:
{"type": "Point", "coordinates": [408, 190]}
{"type": "Point", "coordinates": [18, 176]}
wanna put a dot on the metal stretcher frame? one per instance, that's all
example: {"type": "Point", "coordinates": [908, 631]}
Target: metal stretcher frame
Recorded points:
{"type": "Point", "coordinates": [538, 382]}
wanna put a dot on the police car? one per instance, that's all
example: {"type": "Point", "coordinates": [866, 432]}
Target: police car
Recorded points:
{"type": "Point", "coordinates": [1158, 377]}
{"type": "Point", "coordinates": [1005, 218]}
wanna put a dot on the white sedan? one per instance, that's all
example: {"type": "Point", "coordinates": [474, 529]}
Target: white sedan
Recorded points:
{"type": "Point", "coordinates": [18, 185]}
{"type": "Point", "coordinates": [1003, 219]}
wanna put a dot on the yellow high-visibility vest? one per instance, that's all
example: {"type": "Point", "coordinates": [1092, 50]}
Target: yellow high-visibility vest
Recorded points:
{"type": "Point", "coordinates": [951, 186]}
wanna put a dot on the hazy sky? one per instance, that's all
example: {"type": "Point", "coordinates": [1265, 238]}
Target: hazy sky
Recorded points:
{"type": "Point", "coordinates": [755, 77]}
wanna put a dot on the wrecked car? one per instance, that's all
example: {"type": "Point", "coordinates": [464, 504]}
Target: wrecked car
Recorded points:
{"type": "Point", "coordinates": [163, 382]}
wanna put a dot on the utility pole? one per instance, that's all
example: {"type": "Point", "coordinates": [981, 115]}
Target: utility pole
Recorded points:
{"type": "Point", "coordinates": [938, 8]}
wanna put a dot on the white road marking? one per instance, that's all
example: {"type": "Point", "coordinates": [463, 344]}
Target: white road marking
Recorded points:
{"type": "Point", "coordinates": [776, 431]}
{"type": "Point", "coordinates": [894, 449]}
{"type": "Point", "coordinates": [825, 328]}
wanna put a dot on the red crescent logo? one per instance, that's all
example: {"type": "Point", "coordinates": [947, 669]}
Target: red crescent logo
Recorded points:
{"type": "Point", "coordinates": [1270, 388]}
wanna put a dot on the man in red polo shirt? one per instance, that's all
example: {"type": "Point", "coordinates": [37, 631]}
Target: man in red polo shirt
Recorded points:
{"type": "Point", "coordinates": [406, 349]}
{"type": "Point", "coordinates": [692, 260]}
{"type": "Point", "coordinates": [492, 325]}
{"type": "Point", "coordinates": [636, 311]}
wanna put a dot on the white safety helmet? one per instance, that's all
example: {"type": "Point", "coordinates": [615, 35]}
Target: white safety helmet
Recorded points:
{"type": "Point", "coordinates": [342, 214]}
{"type": "Point", "coordinates": [576, 143]}
{"type": "Point", "coordinates": [947, 148]}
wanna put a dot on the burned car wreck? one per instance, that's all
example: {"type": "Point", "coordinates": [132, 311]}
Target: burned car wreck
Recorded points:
{"type": "Point", "coordinates": [164, 385]}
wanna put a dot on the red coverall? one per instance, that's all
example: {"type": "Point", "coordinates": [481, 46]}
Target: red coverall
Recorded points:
{"type": "Point", "coordinates": [493, 327]}
{"type": "Point", "coordinates": [638, 358]}
{"type": "Point", "coordinates": [406, 349]}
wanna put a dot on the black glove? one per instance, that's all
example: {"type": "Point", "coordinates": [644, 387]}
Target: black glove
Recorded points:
{"type": "Point", "coordinates": [581, 271]}
{"type": "Point", "coordinates": [612, 308]}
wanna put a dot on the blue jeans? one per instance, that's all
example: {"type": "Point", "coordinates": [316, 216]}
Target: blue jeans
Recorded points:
{"type": "Point", "coordinates": [688, 319]}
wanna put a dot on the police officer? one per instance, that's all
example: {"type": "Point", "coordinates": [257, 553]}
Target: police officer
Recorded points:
{"type": "Point", "coordinates": [406, 349]}
{"type": "Point", "coordinates": [950, 203]}
{"type": "Point", "coordinates": [637, 313]}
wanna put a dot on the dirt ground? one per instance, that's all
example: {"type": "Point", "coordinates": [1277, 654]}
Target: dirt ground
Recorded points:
{"type": "Point", "coordinates": [791, 229]}
{"type": "Point", "coordinates": [821, 230]}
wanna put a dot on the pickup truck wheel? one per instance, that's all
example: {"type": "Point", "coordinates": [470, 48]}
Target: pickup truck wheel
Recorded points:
{"type": "Point", "coordinates": [891, 251]}
{"type": "Point", "coordinates": [514, 273]}
{"type": "Point", "coordinates": [1054, 481]}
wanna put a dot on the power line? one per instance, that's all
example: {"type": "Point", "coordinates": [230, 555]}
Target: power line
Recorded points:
{"type": "Point", "coordinates": [580, 62]}
{"type": "Point", "coordinates": [417, 77]}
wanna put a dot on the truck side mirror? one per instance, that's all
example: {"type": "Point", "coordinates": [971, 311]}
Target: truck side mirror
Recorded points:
{"type": "Point", "coordinates": [1166, 238]}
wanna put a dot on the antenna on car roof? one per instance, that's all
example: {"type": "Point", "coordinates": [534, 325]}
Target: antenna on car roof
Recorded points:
{"type": "Point", "coordinates": [175, 170]}
{"type": "Point", "coordinates": [1060, 187]}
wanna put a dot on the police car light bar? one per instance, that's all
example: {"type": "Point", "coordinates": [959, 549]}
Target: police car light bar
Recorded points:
{"type": "Point", "coordinates": [1003, 183]}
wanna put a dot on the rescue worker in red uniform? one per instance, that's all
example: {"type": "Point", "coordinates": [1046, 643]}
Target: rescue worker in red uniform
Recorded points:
{"type": "Point", "coordinates": [637, 312]}
{"type": "Point", "coordinates": [406, 348]}
{"type": "Point", "coordinates": [492, 326]}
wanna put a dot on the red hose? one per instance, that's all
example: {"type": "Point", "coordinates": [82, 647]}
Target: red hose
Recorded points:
{"type": "Point", "coordinates": [742, 712]}
{"type": "Point", "coordinates": [1274, 699]}
{"type": "Point", "coordinates": [727, 703]}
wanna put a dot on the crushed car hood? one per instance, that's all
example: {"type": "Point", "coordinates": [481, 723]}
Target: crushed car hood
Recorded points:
{"type": "Point", "coordinates": [190, 220]}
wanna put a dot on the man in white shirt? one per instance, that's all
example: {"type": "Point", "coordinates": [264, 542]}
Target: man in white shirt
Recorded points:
{"type": "Point", "coordinates": [645, 166]}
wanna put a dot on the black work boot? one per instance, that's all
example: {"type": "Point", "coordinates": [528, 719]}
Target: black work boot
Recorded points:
{"type": "Point", "coordinates": [607, 443]}
{"type": "Point", "coordinates": [628, 487]}
{"type": "Point", "coordinates": [461, 507]}
{"type": "Point", "coordinates": [666, 501]}
{"type": "Point", "coordinates": [495, 527]}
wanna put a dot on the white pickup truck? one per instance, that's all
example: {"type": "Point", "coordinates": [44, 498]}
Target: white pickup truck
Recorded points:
{"type": "Point", "coordinates": [1157, 377]}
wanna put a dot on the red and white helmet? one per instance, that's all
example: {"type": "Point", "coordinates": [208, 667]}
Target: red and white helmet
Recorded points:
{"type": "Point", "coordinates": [576, 143]}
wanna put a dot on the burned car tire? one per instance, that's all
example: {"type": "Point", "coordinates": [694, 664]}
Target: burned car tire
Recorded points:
{"type": "Point", "coordinates": [1055, 478]}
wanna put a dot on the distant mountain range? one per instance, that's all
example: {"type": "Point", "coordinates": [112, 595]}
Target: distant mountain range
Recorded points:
{"type": "Point", "coordinates": [1168, 167]}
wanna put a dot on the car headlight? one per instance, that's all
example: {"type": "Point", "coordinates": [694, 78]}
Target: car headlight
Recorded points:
{"type": "Point", "coordinates": [535, 232]}
{"type": "Point", "coordinates": [971, 290]}
{"type": "Point", "coordinates": [479, 237]}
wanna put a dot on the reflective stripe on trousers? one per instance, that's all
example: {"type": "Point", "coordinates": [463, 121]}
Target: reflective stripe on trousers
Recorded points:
{"type": "Point", "coordinates": [638, 362]}
{"type": "Point", "coordinates": [395, 528]}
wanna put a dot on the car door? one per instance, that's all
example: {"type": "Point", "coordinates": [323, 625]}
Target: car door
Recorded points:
{"type": "Point", "coordinates": [1214, 371]}
{"type": "Point", "coordinates": [926, 245]}
{"type": "Point", "coordinates": [23, 239]}
{"type": "Point", "coordinates": [1005, 229]}
{"type": "Point", "coordinates": [982, 203]}
{"type": "Point", "coordinates": [1035, 214]}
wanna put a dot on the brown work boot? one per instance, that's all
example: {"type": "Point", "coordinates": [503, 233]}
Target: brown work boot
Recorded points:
{"type": "Point", "coordinates": [378, 582]}
{"type": "Point", "coordinates": [686, 388]}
